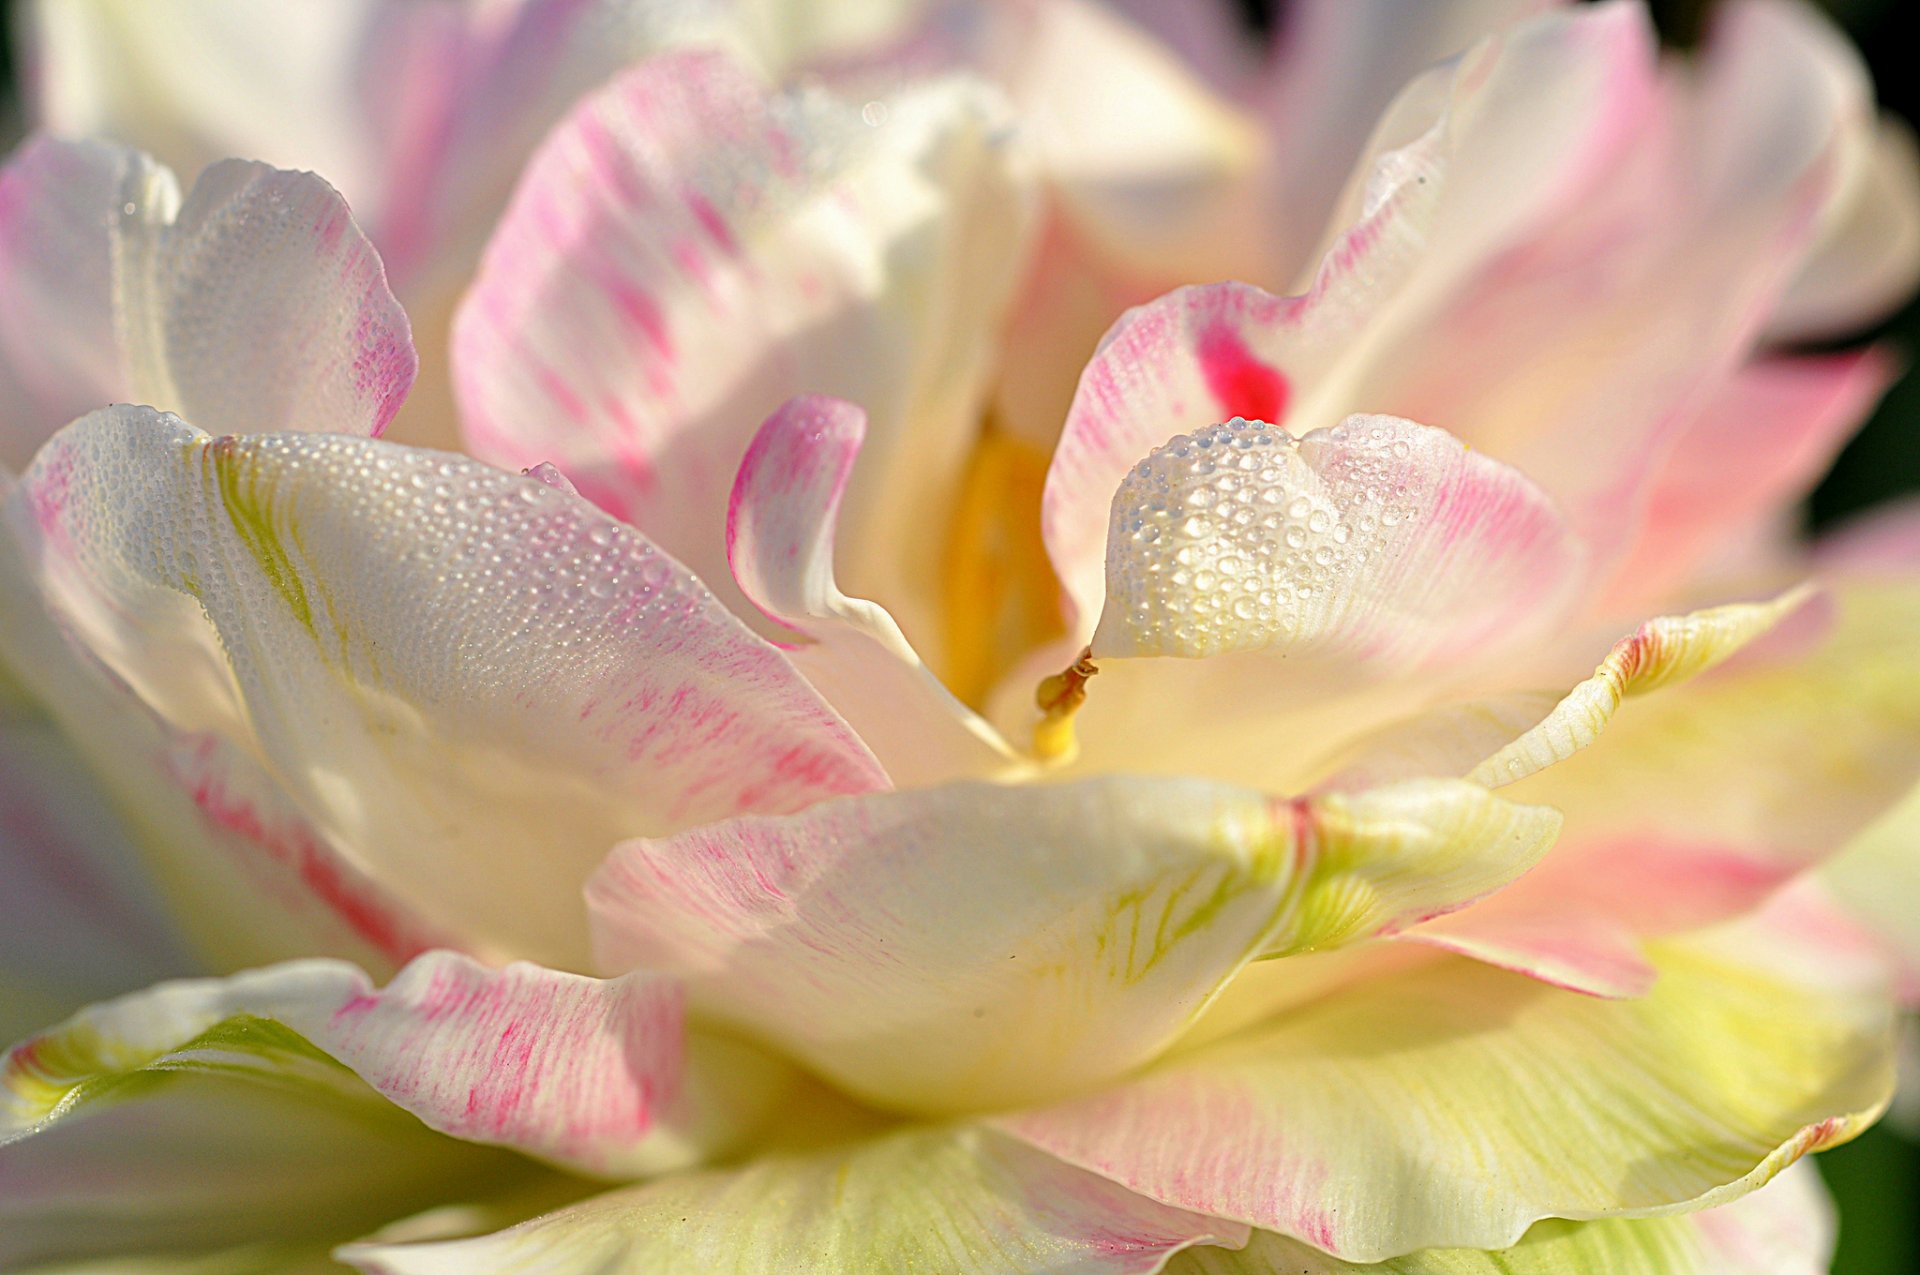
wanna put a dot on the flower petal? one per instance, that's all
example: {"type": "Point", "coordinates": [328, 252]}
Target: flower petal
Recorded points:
{"type": "Point", "coordinates": [965, 1201]}
{"type": "Point", "coordinates": [1378, 539]}
{"type": "Point", "coordinates": [163, 1123]}
{"type": "Point", "coordinates": [1470, 153]}
{"type": "Point", "coordinates": [467, 683]}
{"type": "Point", "coordinates": [966, 946]}
{"type": "Point", "coordinates": [594, 1075]}
{"type": "Point", "coordinates": [1759, 443]}
{"type": "Point", "coordinates": [119, 292]}
{"type": "Point", "coordinates": [1784, 1229]}
{"type": "Point", "coordinates": [1867, 259]}
{"type": "Point", "coordinates": [689, 250]}
{"type": "Point", "coordinates": [79, 920]}
{"type": "Point", "coordinates": [1409, 1086]}
{"type": "Point", "coordinates": [780, 545]}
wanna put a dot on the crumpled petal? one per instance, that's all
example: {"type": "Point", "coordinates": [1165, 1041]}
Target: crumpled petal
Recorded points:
{"type": "Point", "coordinates": [1787, 1228]}
{"type": "Point", "coordinates": [117, 291]}
{"type": "Point", "coordinates": [1378, 539]}
{"type": "Point", "coordinates": [1411, 1087]}
{"type": "Point", "coordinates": [690, 249]}
{"type": "Point", "coordinates": [780, 544]}
{"type": "Point", "coordinates": [964, 1200]}
{"type": "Point", "coordinates": [465, 684]}
{"type": "Point", "coordinates": [964, 946]}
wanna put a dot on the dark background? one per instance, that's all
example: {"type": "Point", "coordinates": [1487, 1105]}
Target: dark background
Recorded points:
{"type": "Point", "coordinates": [1877, 1177]}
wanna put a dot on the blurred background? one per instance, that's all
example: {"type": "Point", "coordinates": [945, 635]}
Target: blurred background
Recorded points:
{"type": "Point", "coordinates": [1876, 1178]}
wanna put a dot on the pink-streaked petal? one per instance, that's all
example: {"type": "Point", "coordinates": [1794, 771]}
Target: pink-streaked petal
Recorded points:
{"type": "Point", "coordinates": [780, 544]}
{"type": "Point", "coordinates": [256, 305]}
{"type": "Point", "coordinates": [1378, 540]}
{"type": "Point", "coordinates": [1578, 919]}
{"type": "Point", "coordinates": [184, 1122]}
{"type": "Point", "coordinates": [960, 947]}
{"type": "Point", "coordinates": [1757, 445]}
{"type": "Point", "coordinates": [689, 250]}
{"type": "Point", "coordinates": [1415, 1083]}
{"type": "Point", "coordinates": [964, 1201]}
{"type": "Point", "coordinates": [465, 683]}
{"type": "Point", "coordinates": [1454, 174]}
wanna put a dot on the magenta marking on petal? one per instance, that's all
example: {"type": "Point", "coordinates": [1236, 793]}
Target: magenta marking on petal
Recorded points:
{"type": "Point", "coordinates": [1241, 384]}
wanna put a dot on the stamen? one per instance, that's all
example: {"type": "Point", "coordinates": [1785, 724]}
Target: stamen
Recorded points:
{"type": "Point", "coordinates": [1059, 698]}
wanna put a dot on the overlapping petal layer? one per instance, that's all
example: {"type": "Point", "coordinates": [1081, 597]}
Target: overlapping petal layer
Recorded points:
{"type": "Point", "coordinates": [117, 291]}
{"type": "Point", "coordinates": [1431, 1089]}
{"type": "Point", "coordinates": [964, 1200]}
{"type": "Point", "coordinates": [965, 946]}
{"type": "Point", "coordinates": [465, 684]}
{"type": "Point", "coordinates": [1786, 1229]}
{"type": "Point", "coordinates": [1454, 172]}
{"type": "Point", "coordinates": [690, 249]}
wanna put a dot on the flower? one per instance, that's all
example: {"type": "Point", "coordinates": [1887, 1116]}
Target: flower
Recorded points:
{"type": "Point", "coordinates": [633, 893]}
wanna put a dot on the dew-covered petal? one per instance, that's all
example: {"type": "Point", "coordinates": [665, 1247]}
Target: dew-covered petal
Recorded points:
{"type": "Point", "coordinates": [1550, 1104]}
{"type": "Point", "coordinates": [781, 521]}
{"type": "Point", "coordinates": [465, 684]}
{"type": "Point", "coordinates": [1469, 155]}
{"type": "Point", "coordinates": [1378, 540]}
{"type": "Point", "coordinates": [962, 1200]}
{"type": "Point", "coordinates": [1786, 1228]}
{"type": "Point", "coordinates": [964, 946]}
{"type": "Point", "coordinates": [254, 305]}
{"type": "Point", "coordinates": [690, 249]}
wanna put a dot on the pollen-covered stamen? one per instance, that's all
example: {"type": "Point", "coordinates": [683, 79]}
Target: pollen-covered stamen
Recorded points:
{"type": "Point", "coordinates": [1059, 698]}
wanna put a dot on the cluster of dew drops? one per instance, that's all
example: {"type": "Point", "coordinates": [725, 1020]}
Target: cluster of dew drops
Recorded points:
{"type": "Point", "coordinates": [1220, 547]}
{"type": "Point", "coordinates": [482, 558]}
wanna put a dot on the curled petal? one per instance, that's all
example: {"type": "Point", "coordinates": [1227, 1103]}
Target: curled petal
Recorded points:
{"type": "Point", "coordinates": [690, 250]}
{"type": "Point", "coordinates": [780, 540]}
